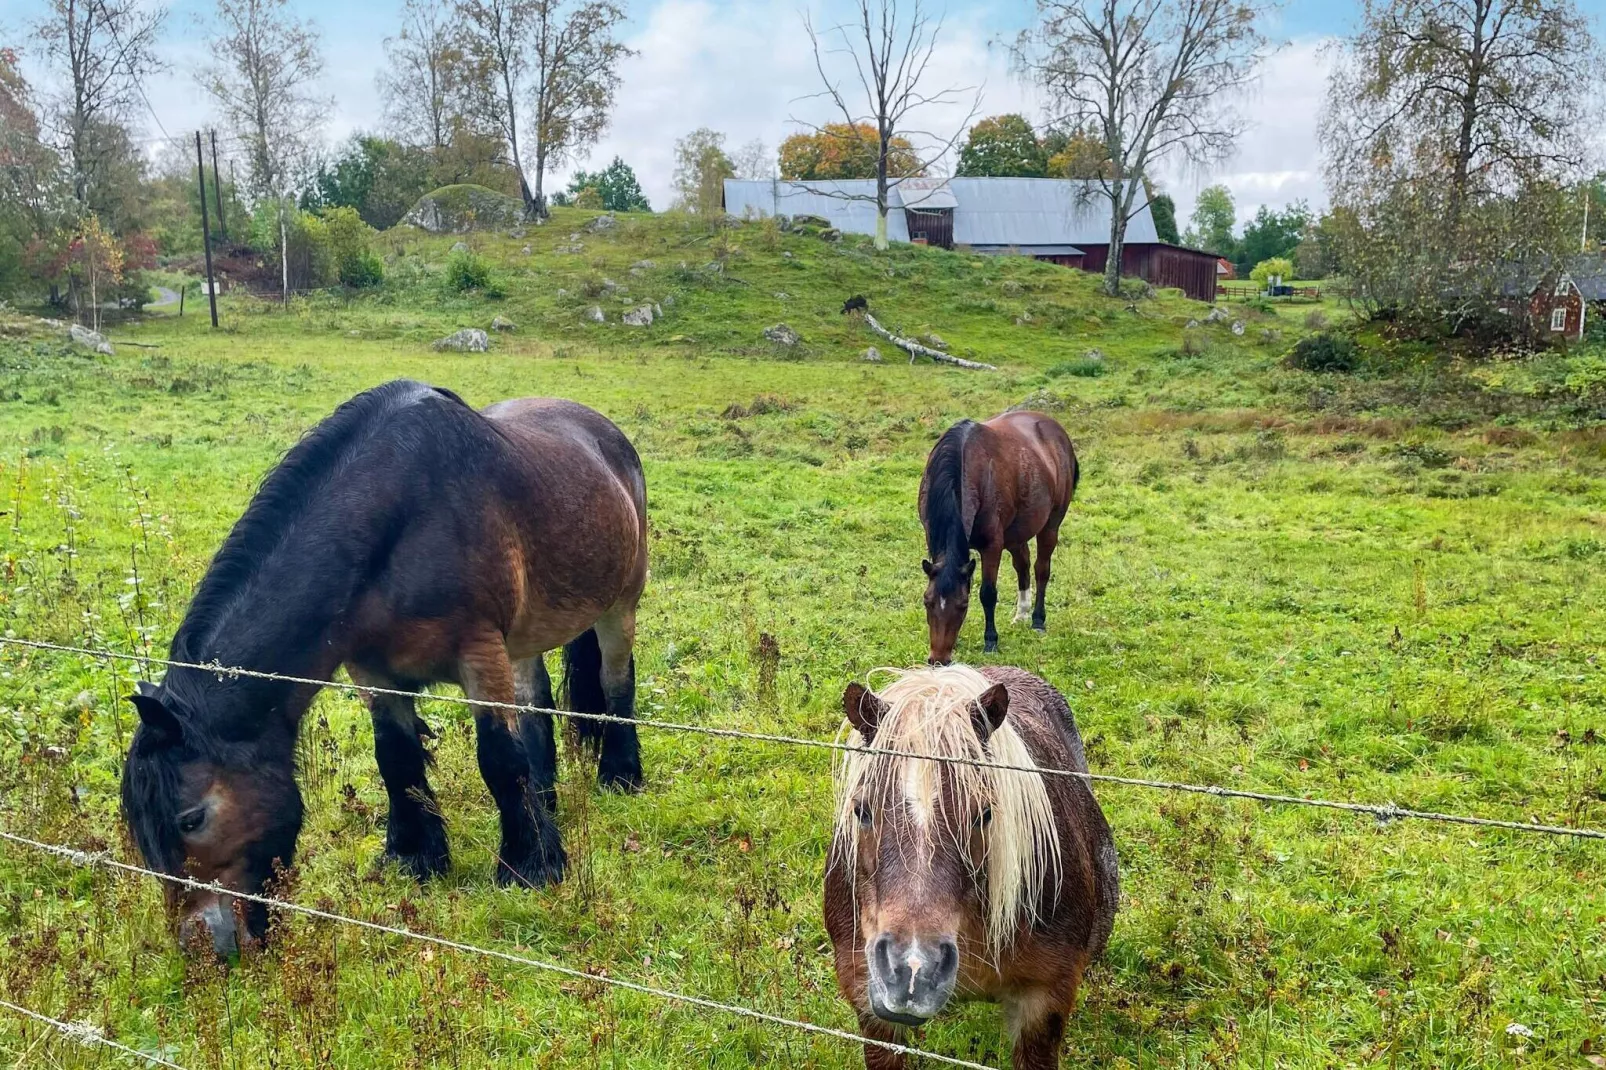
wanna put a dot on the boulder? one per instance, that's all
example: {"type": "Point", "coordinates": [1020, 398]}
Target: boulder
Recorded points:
{"type": "Point", "coordinates": [1193, 325]}
{"type": "Point", "coordinates": [459, 247]}
{"type": "Point", "coordinates": [1238, 328]}
{"type": "Point", "coordinates": [871, 355]}
{"type": "Point", "coordinates": [669, 301]}
{"type": "Point", "coordinates": [641, 265]}
{"type": "Point", "coordinates": [1093, 355]}
{"type": "Point", "coordinates": [502, 324]}
{"type": "Point", "coordinates": [596, 315]}
{"type": "Point", "coordinates": [1218, 315]}
{"type": "Point", "coordinates": [467, 340]}
{"type": "Point", "coordinates": [935, 341]}
{"type": "Point", "coordinates": [525, 250]}
{"type": "Point", "coordinates": [782, 335]}
{"type": "Point", "coordinates": [90, 339]}
{"type": "Point", "coordinates": [640, 316]}
{"type": "Point", "coordinates": [810, 221]}
{"type": "Point", "coordinates": [602, 224]}
{"type": "Point", "coordinates": [461, 208]}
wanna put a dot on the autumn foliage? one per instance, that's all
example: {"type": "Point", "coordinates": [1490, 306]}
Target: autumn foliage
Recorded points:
{"type": "Point", "coordinates": [841, 151]}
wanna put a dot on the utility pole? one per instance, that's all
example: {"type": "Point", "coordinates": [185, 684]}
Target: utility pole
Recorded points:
{"type": "Point", "coordinates": [217, 191]}
{"type": "Point", "coordinates": [206, 229]}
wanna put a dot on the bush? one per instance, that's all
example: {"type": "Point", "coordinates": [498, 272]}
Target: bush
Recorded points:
{"type": "Point", "coordinates": [363, 271]}
{"type": "Point", "coordinates": [1316, 320]}
{"type": "Point", "coordinates": [465, 271]}
{"type": "Point", "coordinates": [1325, 352]}
{"type": "Point", "coordinates": [1084, 368]}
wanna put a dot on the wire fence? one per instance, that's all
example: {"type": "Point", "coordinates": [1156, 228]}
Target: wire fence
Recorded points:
{"type": "Point", "coordinates": [88, 1035]}
{"type": "Point", "coordinates": [100, 858]}
{"type": "Point", "coordinates": [1383, 812]}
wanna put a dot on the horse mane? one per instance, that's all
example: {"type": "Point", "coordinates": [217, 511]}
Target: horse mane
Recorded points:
{"type": "Point", "coordinates": [929, 712]}
{"type": "Point", "coordinates": [284, 496]}
{"type": "Point", "coordinates": [947, 536]}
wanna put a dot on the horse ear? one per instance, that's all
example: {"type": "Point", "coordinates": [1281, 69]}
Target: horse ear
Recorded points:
{"type": "Point", "coordinates": [991, 709]}
{"type": "Point", "coordinates": [160, 721]}
{"type": "Point", "coordinates": [929, 569]}
{"type": "Point", "coordinates": [863, 708]}
{"type": "Point", "coordinates": [970, 568]}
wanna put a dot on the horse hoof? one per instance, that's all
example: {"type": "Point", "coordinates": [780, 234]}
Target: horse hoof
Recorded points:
{"type": "Point", "coordinates": [624, 781]}
{"type": "Point", "coordinates": [533, 871]}
{"type": "Point", "coordinates": [423, 859]}
{"type": "Point", "coordinates": [991, 647]}
{"type": "Point", "coordinates": [1040, 627]}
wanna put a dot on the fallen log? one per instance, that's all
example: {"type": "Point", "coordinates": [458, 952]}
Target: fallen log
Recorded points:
{"type": "Point", "coordinates": [915, 349]}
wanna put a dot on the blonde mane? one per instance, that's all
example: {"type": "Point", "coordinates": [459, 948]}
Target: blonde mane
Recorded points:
{"type": "Point", "coordinates": [929, 712]}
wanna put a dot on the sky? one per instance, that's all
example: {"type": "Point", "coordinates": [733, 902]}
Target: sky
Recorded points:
{"type": "Point", "coordinates": [746, 69]}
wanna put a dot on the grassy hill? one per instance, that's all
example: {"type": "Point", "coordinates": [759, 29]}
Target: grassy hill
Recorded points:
{"type": "Point", "coordinates": [1378, 586]}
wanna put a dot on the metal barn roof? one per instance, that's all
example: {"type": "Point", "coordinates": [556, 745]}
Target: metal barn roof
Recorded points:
{"type": "Point", "coordinates": [989, 213]}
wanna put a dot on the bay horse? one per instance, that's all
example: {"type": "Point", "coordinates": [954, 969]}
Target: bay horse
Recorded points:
{"type": "Point", "coordinates": [992, 487]}
{"type": "Point", "coordinates": [413, 541]}
{"type": "Point", "coordinates": [952, 881]}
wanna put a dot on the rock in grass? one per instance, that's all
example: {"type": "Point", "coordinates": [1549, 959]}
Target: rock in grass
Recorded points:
{"type": "Point", "coordinates": [502, 324]}
{"type": "Point", "coordinates": [1238, 328]}
{"type": "Point", "coordinates": [1095, 355]}
{"type": "Point", "coordinates": [596, 315]}
{"type": "Point", "coordinates": [1193, 325]}
{"type": "Point", "coordinates": [525, 250]}
{"type": "Point", "coordinates": [90, 339]}
{"type": "Point", "coordinates": [602, 224]}
{"type": "Point", "coordinates": [782, 335]}
{"type": "Point", "coordinates": [467, 340]}
{"type": "Point", "coordinates": [1218, 315]}
{"type": "Point", "coordinates": [640, 316]}
{"type": "Point", "coordinates": [459, 247]}
{"type": "Point", "coordinates": [871, 355]}
{"type": "Point", "coordinates": [935, 341]}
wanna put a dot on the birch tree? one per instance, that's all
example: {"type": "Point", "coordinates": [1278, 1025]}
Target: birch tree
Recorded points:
{"type": "Point", "coordinates": [423, 84]}
{"type": "Point", "coordinates": [99, 52]}
{"type": "Point", "coordinates": [1153, 79]}
{"type": "Point", "coordinates": [888, 49]}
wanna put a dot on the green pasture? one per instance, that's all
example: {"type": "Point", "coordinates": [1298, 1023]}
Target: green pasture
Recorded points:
{"type": "Point", "coordinates": [1380, 587]}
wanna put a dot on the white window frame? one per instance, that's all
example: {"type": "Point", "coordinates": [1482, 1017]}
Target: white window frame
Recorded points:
{"type": "Point", "coordinates": [1558, 318]}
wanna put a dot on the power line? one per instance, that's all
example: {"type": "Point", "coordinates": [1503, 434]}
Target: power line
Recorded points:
{"type": "Point", "coordinates": [1381, 811]}
{"type": "Point", "coordinates": [95, 858]}
{"type": "Point", "coordinates": [88, 1035]}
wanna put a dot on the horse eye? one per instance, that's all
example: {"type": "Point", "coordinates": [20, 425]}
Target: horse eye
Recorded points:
{"type": "Point", "coordinates": [191, 819]}
{"type": "Point", "coordinates": [986, 815]}
{"type": "Point", "coordinates": [862, 812]}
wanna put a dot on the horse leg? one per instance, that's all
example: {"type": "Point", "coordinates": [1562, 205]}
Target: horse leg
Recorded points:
{"type": "Point", "coordinates": [991, 558]}
{"type": "Point", "coordinates": [876, 1057]}
{"type": "Point", "coordinates": [1046, 542]}
{"type": "Point", "coordinates": [1021, 557]}
{"type": "Point", "coordinates": [415, 834]}
{"type": "Point", "coordinates": [531, 852]}
{"type": "Point", "coordinates": [1037, 1023]}
{"type": "Point", "coordinates": [533, 687]}
{"type": "Point", "coordinates": [619, 759]}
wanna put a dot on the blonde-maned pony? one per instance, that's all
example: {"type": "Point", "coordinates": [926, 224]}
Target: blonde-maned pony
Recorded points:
{"type": "Point", "coordinates": [930, 711]}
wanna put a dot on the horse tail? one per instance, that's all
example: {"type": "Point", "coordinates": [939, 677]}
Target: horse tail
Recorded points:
{"type": "Point", "coordinates": [1076, 472]}
{"type": "Point", "coordinates": [582, 684]}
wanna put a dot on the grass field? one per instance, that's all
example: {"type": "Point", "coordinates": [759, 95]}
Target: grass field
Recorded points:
{"type": "Point", "coordinates": [1379, 587]}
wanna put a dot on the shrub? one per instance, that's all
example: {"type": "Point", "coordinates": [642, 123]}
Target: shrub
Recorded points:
{"type": "Point", "coordinates": [1083, 368]}
{"type": "Point", "coordinates": [363, 271]}
{"type": "Point", "coordinates": [465, 271]}
{"type": "Point", "coordinates": [1325, 352]}
{"type": "Point", "coordinates": [1316, 320]}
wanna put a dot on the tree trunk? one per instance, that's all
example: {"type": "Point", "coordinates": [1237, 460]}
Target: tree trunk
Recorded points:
{"type": "Point", "coordinates": [284, 259]}
{"type": "Point", "coordinates": [881, 193]}
{"type": "Point", "coordinates": [539, 201]}
{"type": "Point", "coordinates": [1112, 266]}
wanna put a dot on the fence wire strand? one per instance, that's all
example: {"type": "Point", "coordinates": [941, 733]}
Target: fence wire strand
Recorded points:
{"type": "Point", "coordinates": [88, 1035]}
{"type": "Point", "coordinates": [91, 859]}
{"type": "Point", "coordinates": [1383, 812]}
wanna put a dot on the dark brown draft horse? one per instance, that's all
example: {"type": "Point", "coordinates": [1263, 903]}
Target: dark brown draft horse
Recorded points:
{"type": "Point", "coordinates": [413, 541]}
{"type": "Point", "coordinates": [992, 487]}
{"type": "Point", "coordinates": [950, 881]}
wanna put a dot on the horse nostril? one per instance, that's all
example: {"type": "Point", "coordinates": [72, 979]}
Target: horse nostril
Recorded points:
{"type": "Point", "coordinates": [947, 961]}
{"type": "Point", "coordinates": [881, 956]}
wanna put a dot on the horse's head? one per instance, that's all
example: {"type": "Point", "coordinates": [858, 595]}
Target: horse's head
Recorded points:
{"type": "Point", "coordinates": [213, 810]}
{"type": "Point", "coordinates": [947, 601]}
{"type": "Point", "coordinates": [943, 856]}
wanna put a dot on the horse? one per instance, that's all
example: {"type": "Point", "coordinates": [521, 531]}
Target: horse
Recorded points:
{"type": "Point", "coordinates": [947, 880]}
{"type": "Point", "coordinates": [992, 487]}
{"type": "Point", "coordinates": [413, 541]}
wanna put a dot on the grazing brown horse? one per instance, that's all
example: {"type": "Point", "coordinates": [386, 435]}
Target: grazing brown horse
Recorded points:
{"type": "Point", "coordinates": [413, 541]}
{"type": "Point", "coordinates": [992, 487]}
{"type": "Point", "coordinates": [953, 881]}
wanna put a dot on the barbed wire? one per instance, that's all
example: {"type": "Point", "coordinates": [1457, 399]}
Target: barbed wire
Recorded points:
{"type": "Point", "coordinates": [1383, 812]}
{"type": "Point", "coordinates": [90, 859]}
{"type": "Point", "coordinates": [88, 1034]}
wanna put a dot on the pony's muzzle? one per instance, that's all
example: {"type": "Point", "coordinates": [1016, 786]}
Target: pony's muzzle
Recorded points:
{"type": "Point", "coordinates": [910, 981]}
{"type": "Point", "coordinates": [213, 923]}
